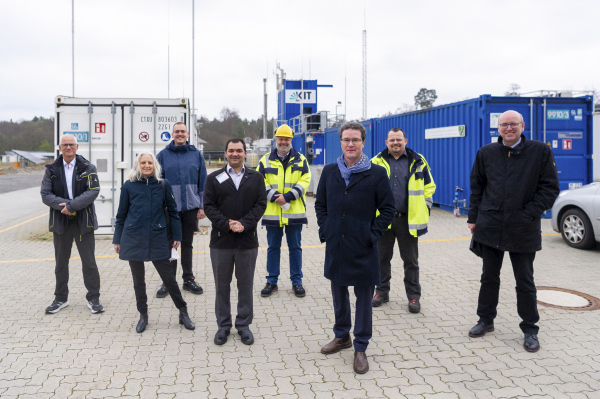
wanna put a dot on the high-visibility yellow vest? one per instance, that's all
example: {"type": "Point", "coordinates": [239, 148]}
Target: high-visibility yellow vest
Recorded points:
{"type": "Point", "coordinates": [420, 189]}
{"type": "Point", "coordinates": [292, 182]}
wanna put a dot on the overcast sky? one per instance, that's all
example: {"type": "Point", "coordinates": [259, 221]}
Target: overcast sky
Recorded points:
{"type": "Point", "coordinates": [460, 48]}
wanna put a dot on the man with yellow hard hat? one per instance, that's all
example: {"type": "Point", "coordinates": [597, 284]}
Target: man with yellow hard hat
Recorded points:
{"type": "Point", "coordinates": [287, 177]}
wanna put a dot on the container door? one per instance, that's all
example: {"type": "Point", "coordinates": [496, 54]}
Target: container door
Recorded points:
{"type": "Point", "coordinates": [97, 139]}
{"type": "Point", "coordinates": [564, 127]}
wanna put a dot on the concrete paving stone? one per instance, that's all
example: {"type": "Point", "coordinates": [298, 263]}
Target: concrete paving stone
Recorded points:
{"type": "Point", "coordinates": [462, 391]}
{"type": "Point", "coordinates": [260, 391]}
{"type": "Point", "coordinates": [20, 390]}
{"type": "Point", "coordinates": [174, 388]}
{"type": "Point", "coordinates": [348, 394]}
{"type": "Point", "coordinates": [75, 347]}
{"type": "Point", "coordinates": [392, 392]}
{"type": "Point", "coordinates": [574, 387]}
{"type": "Point", "coordinates": [265, 378]}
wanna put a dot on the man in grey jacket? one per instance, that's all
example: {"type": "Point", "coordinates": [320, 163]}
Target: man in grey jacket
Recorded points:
{"type": "Point", "coordinates": [69, 188]}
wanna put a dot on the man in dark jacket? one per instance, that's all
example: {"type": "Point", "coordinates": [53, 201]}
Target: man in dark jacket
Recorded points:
{"type": "Point", "coordinates": [69, 188]}
{"type": "Point", "coordinates": [513, 182]}
{"type": "Point", "coordinates": [348, 197]}
{"type": "Point", "coordinates": [234, 201]}
{"type": "Point", "coordinates": [183, 166]}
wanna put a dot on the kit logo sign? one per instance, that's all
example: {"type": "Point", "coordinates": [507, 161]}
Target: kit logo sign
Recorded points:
{"type": "Point", "coordinates": [144, 136]}
{"type": "Point", "coordinates": [300, 96]}
{"type": "Point", "coordinates": [74, 126]}
{"type": "Point", "coordinates": [165, 136]}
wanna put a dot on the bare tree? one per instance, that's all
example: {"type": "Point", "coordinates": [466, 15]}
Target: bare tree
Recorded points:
{"type": "Point", "coordinates": [513, 90]}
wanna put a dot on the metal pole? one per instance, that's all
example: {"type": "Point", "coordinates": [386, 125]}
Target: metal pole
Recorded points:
{"type": "Point", "coordinates": [192, 115]}
{"type": "Point", "coordinates": [113, 110]}
{"type": "Point", "coordinates": [73, 42]}
{"type": "Point", "coordinates": [544, 120]}
{"type": "Point", "coordinates": [531, 119]}
{"type": "Point", "coordinates": [265, 113]}
{"type": "Point", "coordinates": [131, 112]}
{"type": "Point", "coordinates": [154, 112]}
{"type": "Point", "coordinates": [90, 111]}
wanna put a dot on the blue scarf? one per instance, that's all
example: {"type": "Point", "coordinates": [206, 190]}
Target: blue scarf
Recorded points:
{"type": "Point", "coordinates": [362, 165]}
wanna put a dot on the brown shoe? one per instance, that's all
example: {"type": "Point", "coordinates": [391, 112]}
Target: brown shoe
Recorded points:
{"type": "Point", "coordinates": [336, 345]}
{"type": "Point", "coordinates": [361, 364]}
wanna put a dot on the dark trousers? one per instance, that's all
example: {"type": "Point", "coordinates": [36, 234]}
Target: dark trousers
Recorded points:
{"type": "Point", "coordinates": [224, 262]}
{"type": "Point", "coordinates": [409, 252]}
{"type": "Point", "coordinates": [189, 224]}
{"type": "Point", "coordinates": [363, 318]}
{"type": "Point", "coordinates": [522, 264]}
{"type": "Point", "coordinates": [163, 267]}
{"type": "Point", "coordinates": [86, 244]}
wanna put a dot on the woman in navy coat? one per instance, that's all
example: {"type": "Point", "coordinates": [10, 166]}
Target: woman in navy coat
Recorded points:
{"type": "Point", "coordinates": [141, 233]}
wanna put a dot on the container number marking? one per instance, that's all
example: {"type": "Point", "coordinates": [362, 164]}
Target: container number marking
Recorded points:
{"type": "Point", "coordinates": [557, 114]}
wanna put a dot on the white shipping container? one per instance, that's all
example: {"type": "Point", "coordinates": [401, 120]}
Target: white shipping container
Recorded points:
{"type": "Point", "coordinates": [111, 132]}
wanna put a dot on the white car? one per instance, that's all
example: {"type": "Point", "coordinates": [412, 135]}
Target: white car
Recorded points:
{"type": "Point", "coordinates": [576, 215]}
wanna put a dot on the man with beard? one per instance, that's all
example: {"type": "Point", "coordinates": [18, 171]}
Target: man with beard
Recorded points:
{"type": "Point", "coordinates": [287, 177]}
{"type": "Point", "coordinates": [413, 188]}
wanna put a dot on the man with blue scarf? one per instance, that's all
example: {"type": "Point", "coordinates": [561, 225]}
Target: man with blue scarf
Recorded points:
{"type": "Point", "coordinates": [348, 197]}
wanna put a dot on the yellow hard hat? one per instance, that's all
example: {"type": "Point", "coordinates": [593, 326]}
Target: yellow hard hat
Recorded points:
{"type": "Point", "coordinates": [284, 131]}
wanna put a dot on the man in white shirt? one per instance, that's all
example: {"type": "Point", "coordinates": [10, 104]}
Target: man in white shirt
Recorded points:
{"type": "Point", "coordinates": [235, 199]}
{"type": "Point", "coordinates": [69, 188]}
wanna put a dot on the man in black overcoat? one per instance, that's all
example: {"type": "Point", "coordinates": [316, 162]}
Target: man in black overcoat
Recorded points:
{"type": "Point", "coordinates": [513, 181]}
{"type": "Point", "coordinates": [354, 207]}
{"type": "Point", "coordinates": [235, 198]}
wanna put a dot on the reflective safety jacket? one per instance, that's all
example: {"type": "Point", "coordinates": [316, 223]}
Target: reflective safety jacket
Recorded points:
{"type": "Point", "coordinates": [420, 189]}
{"type": "Point", "coordinates": [291, 181]}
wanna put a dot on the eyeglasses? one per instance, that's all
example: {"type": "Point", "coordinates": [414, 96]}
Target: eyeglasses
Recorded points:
{"type": "Point", "coordinates": [353, 141]}
{"type": "Point", "coordinates": [505, 125]}
{"type": "Point", "coordinates": [69, 145]}
{"type": "Point", "coordinates": [179, 131]}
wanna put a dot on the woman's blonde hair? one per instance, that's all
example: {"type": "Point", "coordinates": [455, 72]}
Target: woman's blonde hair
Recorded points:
{"type": "Point", "coordinates": [136, 171]}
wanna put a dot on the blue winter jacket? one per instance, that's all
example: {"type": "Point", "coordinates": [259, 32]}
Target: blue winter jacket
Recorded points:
{"type": "Point", "coordinates": [183, 166]}
{"type": "Point", "coordinates": [141, 228]}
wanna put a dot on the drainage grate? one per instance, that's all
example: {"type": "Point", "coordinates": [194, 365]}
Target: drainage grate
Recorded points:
{"type": "Point", "coordinates": [588, 302]}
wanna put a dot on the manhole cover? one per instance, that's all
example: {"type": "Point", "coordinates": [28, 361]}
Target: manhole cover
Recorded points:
{"type": "Point", "coordinates": [566, 299]}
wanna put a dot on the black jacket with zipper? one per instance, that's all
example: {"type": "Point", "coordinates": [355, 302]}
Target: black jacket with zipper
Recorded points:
{"type": "Point", "coordinates": [85, 190]}
{"type": "Point", "coordinates": [222, 202]}
{"type": "Point", "coordinates": [510, 190]}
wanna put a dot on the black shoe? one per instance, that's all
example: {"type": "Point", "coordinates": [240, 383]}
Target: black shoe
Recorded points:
{"type": "Point", "coordinates": [162, 292]}
{"type": "Point", "coordinates": [247, 337]}
{"type": "Point", "coordinates": [414, 306]}
{"type": "Point", "coordinates": [379, 300]}
{"type": "Point", "coordinates": [299, 291]}
{"type": "Point", "coordinates": [184, 319]}
{"type": "Point", "coordinates": [221, 337]}
{"type": "Point", "coordinates": [56, 306]}
{"type": "Point", "coordinates": [190, 285]}
{"type": "Point", "coordinates": [141, 325]}
{"type": "Point", "coordinates": [268, 290]}
{"type": "Point", "coordinates": [480, 329]}
{"type": "Point", "coordinates": [531, 343]}
{"type": "Point", "coordinates": [95, 306]}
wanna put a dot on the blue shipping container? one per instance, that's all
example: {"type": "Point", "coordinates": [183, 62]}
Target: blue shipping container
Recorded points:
{"type": "Point", "coordinates": [564, 123]}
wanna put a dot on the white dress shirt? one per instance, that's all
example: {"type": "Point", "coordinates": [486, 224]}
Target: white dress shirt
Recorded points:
{"type": "Point", "coordinates": [69, 168]}
{"type": "Point", "coordinates": [236, 177]}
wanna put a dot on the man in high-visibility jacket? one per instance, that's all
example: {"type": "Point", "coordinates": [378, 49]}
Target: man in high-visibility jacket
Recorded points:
{"type": "Point", "coordinates": [287, 177]}
{"type": "Point", "coordinates": [413, 188]}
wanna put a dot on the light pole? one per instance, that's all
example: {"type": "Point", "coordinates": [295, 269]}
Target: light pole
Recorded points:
{"type": "Point", "coordinates": [336, 111]}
